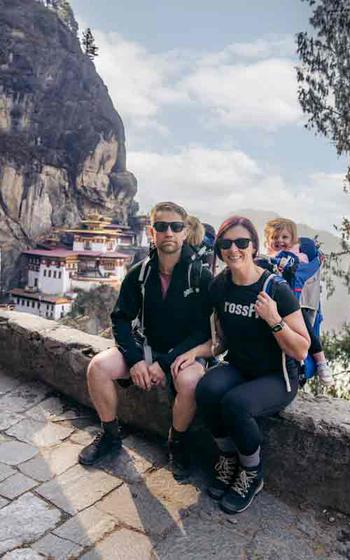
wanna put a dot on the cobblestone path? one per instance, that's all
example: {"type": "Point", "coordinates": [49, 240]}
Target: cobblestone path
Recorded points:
{"type": "Point", "coordinates": [128, 508]}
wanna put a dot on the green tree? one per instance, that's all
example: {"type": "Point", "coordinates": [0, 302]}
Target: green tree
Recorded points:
{"type": "Point", "coordinates": [88, 42]}
{"type": "Point", "coordinates": [324, 91]}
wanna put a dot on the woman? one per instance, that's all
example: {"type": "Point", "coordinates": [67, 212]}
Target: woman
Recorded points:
{"type": "Point", "coordinates": [257, 331]}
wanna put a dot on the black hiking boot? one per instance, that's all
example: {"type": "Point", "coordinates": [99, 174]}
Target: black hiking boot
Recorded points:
{"type": "Point", "coordinates": [225, 472]}
{"type": "Point", "coordinates": [179, 456]}
{"type": "Point", "coordinates": [248, 483]}
{"type": "Point", "coordinates": [103, 445]}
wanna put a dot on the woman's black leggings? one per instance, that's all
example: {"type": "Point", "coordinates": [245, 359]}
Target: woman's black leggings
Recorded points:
{"type": "Point", "coordinates": [230, 403]}
{"type": "Point", "coordinates": [316, 345]}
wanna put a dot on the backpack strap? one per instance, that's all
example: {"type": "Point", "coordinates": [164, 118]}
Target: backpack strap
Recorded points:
{"type": "Point", "coordinates": [271, 282]}
{"type": "Point", "coordinates": [143, 277]}
{"type": "Point", "coordinates": [194, 273]}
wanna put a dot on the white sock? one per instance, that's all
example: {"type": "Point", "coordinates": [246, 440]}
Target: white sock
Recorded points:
{"type": "Point", "coordinates": [249, 461]}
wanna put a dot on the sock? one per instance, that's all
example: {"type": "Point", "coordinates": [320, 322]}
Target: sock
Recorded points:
{"type": "Point", "coordinates": [225, 444]}
{"type": "Point", "coordinates": [250, 461]}
{"type": "Point", "coordinates": [112, 428]}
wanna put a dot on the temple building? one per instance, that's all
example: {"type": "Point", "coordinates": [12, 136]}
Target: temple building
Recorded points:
{"type": "Point", "coordinates": [99, 253]}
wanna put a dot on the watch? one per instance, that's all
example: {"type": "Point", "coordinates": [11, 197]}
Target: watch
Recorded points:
{"type": "Point", "coordinates": [278, 326]}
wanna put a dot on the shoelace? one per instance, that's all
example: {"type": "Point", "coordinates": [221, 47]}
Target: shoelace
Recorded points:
{"type": "Point", "coordinates": [225, 468]}
{"type": "Point", "coordinates": [243, 481]}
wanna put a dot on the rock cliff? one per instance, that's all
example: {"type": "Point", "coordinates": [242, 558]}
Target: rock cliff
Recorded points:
{"type": "Point", "coordinates": [62, 144]}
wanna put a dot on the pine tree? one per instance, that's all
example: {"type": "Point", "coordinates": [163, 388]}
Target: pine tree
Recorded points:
{"type": "Point", "coordinates": [88, 42]}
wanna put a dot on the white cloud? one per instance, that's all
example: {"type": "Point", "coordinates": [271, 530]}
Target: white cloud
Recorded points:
{"type": "Point", "coordinates": [217, 183]}
{"type": "Point", "coordinates": [260, 94]}
{"type": "Point", "coordinates": [139, 82]}
{"type": "Point", "coordinates": [244, 84]}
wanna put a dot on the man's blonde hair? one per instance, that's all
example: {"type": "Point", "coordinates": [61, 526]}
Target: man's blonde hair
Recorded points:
{"type": "Point", "coordinates": [167, 207]}
{"type": "Point", "coordinates": [196, 231]}
{"type": "Point", "coordinates": [278, 224]}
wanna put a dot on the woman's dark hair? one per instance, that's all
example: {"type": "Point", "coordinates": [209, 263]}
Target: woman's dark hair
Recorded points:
{"type": "Point", "coordinates": [238, 221]}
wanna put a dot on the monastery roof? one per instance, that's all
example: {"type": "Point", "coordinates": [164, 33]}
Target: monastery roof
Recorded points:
{"type": "Point", "coordinates": [64, 253]}
{"type": "Point", "coordinates": [38, 296]}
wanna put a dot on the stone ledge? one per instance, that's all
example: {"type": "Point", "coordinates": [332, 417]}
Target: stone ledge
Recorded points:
{"type": "Point", "coordinates": [306, 448]}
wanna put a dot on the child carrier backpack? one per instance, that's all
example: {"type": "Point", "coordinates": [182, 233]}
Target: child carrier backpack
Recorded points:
{"type": "Point", "coordinates": [304, 280]}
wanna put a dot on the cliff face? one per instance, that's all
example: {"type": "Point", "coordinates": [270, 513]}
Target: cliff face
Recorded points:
{"type": "Point", "coordinates": [62, 144]}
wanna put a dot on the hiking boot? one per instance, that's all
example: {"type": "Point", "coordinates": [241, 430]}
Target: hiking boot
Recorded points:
{"type": "Point", "coordinates": [103, 444]}
{"type": "Point", "coordinates": [179, 458]}
{"type": "Point", "coordinates": [247, 484]}
{"type": "Point", "coordinates": [225, 471]}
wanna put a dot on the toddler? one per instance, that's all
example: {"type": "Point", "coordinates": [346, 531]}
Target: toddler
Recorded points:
{"type": "Point", "coordinates": [281, 235]}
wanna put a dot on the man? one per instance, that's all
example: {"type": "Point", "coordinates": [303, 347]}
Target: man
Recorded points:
{"type": "Point", "coordinates": [175, 318]}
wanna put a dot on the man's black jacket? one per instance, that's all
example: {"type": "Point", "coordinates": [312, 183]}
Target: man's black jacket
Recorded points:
{"type": "Point", "coordinates": [172, 325]}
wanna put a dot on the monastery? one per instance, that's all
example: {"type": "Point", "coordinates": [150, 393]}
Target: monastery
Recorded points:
{"type": "Point", "coordinates": [99, 253]}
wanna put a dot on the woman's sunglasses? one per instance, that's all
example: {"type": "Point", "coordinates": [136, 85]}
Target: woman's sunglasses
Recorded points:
{"type": "Point", "coordinates": [241, 243]}
{"type": "Point", "coordinates": [162, 227]}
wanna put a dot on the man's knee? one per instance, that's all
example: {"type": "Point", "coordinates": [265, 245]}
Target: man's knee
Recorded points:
{"type": "Point", "coordinates": [107, 365]}
{"type": "Point", "coordinates": [188, 379]}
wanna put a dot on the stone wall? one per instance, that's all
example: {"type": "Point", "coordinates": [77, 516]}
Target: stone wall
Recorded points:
{"type": "Point", "coordinates": [306, 448]}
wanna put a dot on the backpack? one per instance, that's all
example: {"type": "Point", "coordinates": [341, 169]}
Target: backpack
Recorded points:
{"type": "Point", "coordinates": [307, 368]}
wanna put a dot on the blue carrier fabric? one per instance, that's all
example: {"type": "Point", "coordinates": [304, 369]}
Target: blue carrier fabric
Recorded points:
{"type": "Point", "coordinates": [304, 279]}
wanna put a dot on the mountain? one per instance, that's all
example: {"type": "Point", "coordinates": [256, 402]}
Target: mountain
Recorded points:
{"type": "Point", "coordinates": [62, 143]}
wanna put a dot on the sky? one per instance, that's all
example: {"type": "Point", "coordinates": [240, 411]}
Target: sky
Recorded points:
{"type": "Point", "coordinates": [207, 93]}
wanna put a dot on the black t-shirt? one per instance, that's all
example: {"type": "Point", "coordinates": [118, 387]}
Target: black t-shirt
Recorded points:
{"type": "Point", "coordinates": [252, 347]}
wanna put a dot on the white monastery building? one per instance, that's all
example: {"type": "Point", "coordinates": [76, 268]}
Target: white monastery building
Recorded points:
{"type": "Point", "coordinates": [100, 254]}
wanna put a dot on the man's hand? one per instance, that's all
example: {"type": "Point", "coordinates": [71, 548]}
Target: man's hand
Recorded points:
{"type": "Point", "coordinates": [156, 374]}
{"type": "Point", "coordinates": [140, 375]}
{"type": "Point", "coordinates": [183, 361]}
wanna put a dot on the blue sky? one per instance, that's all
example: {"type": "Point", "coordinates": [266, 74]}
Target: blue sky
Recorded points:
{"type": "Point", "coordinates": [207, 94]}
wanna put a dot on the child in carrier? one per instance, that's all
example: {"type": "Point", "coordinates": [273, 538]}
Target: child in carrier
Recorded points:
{"type": "Point", "coordinates": [281, 236]}
{"type": "Point", "coordinates": [201, 238]}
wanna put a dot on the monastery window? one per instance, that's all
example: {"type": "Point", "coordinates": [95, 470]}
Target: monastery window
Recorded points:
{"type": "Point", "coordinates": [35, 282]}
{"type": "Point", "coordinates": [87, 245]}
{"type": "Point", "coordinates": [54, 273]}
{"type": "Point", "coordinates": [38, 305]}
{"type": "Point", "coordinates": [60, 275]}
{"type": "Point", "coordinates": [49, 273]}
{"type": "Point", "coordinates": [27, 303]}
{"type": "Point", "coordinates": [33, 304]}
{"type": "Point", "coordinates": [44, 271]}
{"type": "Point", "coordinates": [47, 306]}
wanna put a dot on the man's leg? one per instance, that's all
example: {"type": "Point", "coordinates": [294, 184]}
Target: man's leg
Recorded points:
{"type": "Point", "coordinates": [103, 369]}
{"type": "Point", "coordinates": [185, 403]}
{"type": "Point", "coordinates": [184, 409]}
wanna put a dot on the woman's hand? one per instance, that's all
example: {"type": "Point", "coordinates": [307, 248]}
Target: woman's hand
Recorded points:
{"type": "Point", "coordinates": [266, 309]}
{"type": "Point", "coordinates": [183, 361]}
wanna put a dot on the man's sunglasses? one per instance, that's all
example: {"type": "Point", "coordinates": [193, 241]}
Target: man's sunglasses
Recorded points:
{"type": "Point", "coordinates": [241, 243]}
{"type": "Point", "coordinates": [162, 227]}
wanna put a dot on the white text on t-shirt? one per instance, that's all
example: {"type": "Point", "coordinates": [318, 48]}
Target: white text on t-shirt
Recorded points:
{"type": "Point", "coordinates": [239, 309]}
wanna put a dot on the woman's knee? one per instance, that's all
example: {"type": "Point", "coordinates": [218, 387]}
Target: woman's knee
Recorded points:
{"type": "Point", "coordinates": [234, 407]}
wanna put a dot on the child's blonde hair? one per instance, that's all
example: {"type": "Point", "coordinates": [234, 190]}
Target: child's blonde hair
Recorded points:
{"type": "Point", "coordinates": [196, 231]}
{"type": "Point", "coordinates": [278, 224]}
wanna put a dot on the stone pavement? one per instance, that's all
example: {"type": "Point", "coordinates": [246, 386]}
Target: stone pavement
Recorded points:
{"type": "Point", "coordinates": [128, 508]}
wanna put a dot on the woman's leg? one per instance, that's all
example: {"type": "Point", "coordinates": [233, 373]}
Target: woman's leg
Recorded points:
{"type": "Point", "coordinates": [210, 391]}
{"type": "Point", "coordinates": [242, 405]}
{"type": "Point", "coordinates": [240, 408]}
